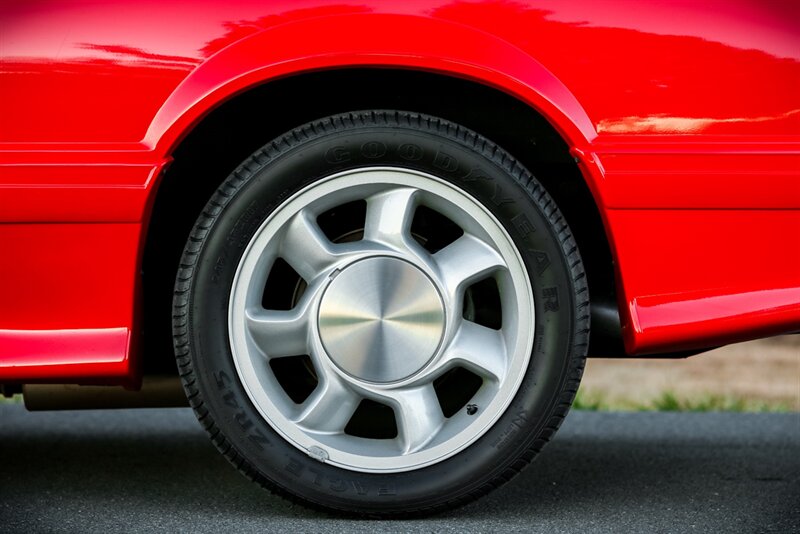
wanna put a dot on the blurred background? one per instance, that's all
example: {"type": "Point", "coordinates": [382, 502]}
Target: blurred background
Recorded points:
{"type": "Point", "coordinates": [761, 375]}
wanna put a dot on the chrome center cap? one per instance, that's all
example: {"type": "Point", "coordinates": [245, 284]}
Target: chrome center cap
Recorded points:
{"type": "Point", "coordinates": [381, 319]}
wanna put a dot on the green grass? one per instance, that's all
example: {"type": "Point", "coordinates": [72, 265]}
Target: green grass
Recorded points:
{"type": "Point", "coordinates": [669, 401]}
{"type": "Point", "coordinates": [16, 399]}
{"type": "Point", "coordinates": [591, 402]}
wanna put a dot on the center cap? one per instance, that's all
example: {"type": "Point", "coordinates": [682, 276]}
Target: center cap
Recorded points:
{"type": "Point", "coordinates": [381, 319]}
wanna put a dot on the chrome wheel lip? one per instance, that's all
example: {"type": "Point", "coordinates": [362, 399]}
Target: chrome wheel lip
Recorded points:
{"type": "Point", "coordinates": [346, 451]}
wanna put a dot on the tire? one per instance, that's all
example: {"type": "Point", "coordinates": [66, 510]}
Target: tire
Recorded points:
{"type": "Point", "coordinates": [380, 313]}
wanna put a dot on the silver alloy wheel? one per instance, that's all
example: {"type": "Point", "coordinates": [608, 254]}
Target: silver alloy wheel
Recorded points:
{"type": "Point", "coordinates": [381, 318]}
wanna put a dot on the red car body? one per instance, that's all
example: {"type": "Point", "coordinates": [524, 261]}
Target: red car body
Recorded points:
{"type": "Point", "coordinates": [683, 118]}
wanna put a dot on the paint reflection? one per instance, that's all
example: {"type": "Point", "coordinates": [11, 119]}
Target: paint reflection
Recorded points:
{"type": "Point", "coordinates": [677, 67]}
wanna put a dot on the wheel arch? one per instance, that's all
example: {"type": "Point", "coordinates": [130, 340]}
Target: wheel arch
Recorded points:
{"type": "Point", "coordinates": [216, 119]}
{"type": "Point", "coordinates": [335, 42]}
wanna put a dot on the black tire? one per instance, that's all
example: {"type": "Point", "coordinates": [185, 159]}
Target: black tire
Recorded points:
{"type": "Point", "coordinates": [303, 156]}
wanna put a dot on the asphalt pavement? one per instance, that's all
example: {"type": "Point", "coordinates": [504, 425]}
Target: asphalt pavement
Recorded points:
{"type": "Point", "coordinates": [155, 470]}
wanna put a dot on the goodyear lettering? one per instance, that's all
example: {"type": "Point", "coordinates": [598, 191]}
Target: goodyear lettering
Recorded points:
{"type": "Point", "coordinates": [337, 154]}
{"type": "Point", "coordinates": [498, 199]}
{"type": "Point", "coordinates": [373, 150]}
{"type": "Point", "coordinates": [445, 162]}
{"type": "Point", "coordinates": [410, 152]}
{"type": "Point", "coordinates": [475, 174]}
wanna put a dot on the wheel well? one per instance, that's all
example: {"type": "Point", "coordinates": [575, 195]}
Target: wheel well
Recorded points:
{"type": "Point", "coordinates": [239, 126]}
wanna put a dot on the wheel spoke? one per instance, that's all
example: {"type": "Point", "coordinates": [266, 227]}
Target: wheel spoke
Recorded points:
{"type": "Point", "coordinates": [465, 260]}
{"type": "Point", "coordinates": [306, 248]}
{"type": "Point", "coordinates": [478, 348]}
{"type": "Point", "coordinates": [279, 333]}
{"type": "Point", "coordinates": [329, 408]}
{"type": "Point", "coordinates": [389, 216]}
{"type": "Point", "coordinates": [419, 416]}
